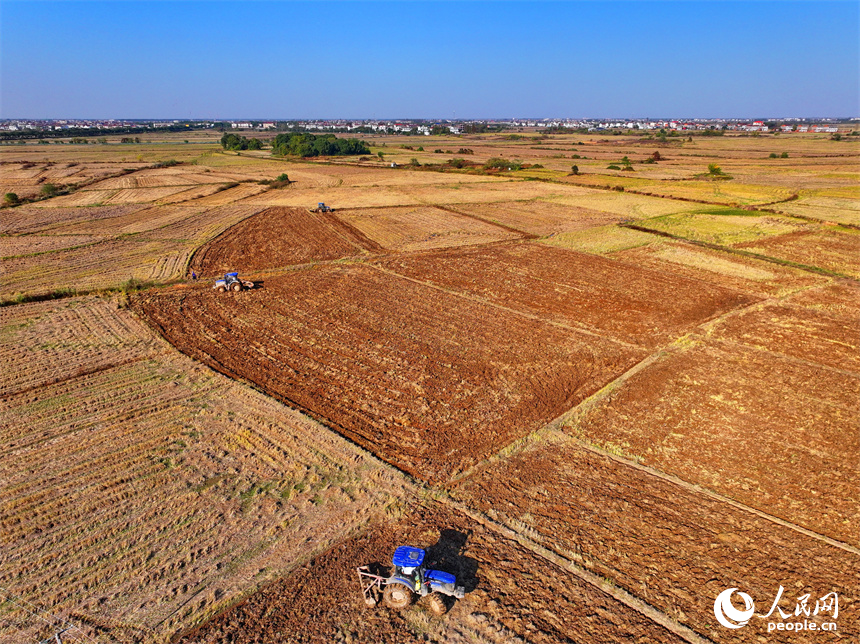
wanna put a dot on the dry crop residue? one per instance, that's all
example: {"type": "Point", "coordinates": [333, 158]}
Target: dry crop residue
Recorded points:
{"type": "Point", "coordinates": [427, 380]}
{"type": "Point", "coordinates": [540, 217]}
{"type": "Point", "coordinates": [832, 249]}
{"type": "Point", "coordinates": [599, 295]}
{"type": "Point", "coordinates": [513, 596]}
{"type": "Point", "coordinates": [280, 237]}
{"type": "Point", "coordinates": [140, 492]}
{"type": "Point", "coordinates": [411, 228]}
{"type": "Point", "coordinates": [674, 548]}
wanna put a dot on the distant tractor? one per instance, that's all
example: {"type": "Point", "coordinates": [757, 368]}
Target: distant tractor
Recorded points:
{"type": "Point", "coordinates": [231, 282]}
{"type": "Point", "coordinates": [321, 207]}
{"type": "Point", "coordinates": [408, 580]}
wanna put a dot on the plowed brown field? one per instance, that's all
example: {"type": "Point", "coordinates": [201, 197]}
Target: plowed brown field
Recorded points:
{"type": "Point", "coordinates": [430, 381]}
{"type": "Point", "coordinates": [675, 548]}
{"type": "Point", "coordinates": [602, 296]}
{"type": "Point", "coordinates": [280, 237]}
{"type": "Point", "coordinates": [322, 602]}
{"type": "Point", "coordinates": [764, 411]}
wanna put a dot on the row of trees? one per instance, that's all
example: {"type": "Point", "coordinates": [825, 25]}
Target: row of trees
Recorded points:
{"type": "Point", "coordinates": [232, 141]}
{"type": "Point", "coordinates": [310, 145]}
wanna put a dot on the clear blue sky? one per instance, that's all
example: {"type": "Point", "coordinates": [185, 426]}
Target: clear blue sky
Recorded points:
{"type": "Point", "coordinates": [428, 59]}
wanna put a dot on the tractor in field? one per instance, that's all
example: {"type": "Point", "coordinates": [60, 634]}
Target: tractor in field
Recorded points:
{"type": "Point", "coordinates": [321, 207]}
{"type": "Point", "coordinates": [408, 580]}
{"type": "Point", "coordinates": [231, 282]}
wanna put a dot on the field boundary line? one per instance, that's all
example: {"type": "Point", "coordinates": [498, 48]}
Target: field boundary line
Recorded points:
{"type": "Point", "coordinates": [671, 478]}
{"type": "Point", "coordinates": [569, 417]}
{"type": "Point", "coordinates": [523, 233]}
{"type": "Point", "coordinates": [616, 592]}
{"type": "Point", "coordinates": [784, 356]}
{"type": "Point", "coordinates": [530, 316]}
{"type": "Point", "coordinates": [742, 253]}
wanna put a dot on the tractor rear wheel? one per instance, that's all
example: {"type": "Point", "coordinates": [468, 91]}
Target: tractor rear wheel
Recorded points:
{"type": "Point", "coordinates": [436, 604]}
{"type": "Point", "coordinates": [236, 287]}
{"type": "Point", "coordinates": [397, 596]}
{"type": "Point", "coordinates": [222, 289]}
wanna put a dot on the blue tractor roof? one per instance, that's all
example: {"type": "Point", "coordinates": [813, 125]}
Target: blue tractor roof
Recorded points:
{"type": "Point", "coordinates": [408, 557]}
{"type": "Point", "coordinates": [236, 274]}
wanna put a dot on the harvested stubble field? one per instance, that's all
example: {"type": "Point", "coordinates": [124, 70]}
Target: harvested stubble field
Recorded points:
{"type": "Point", "coordinates": [504, 580]}
{"type": "Point", "coordinates": [833, 249]}
{"type": "Point", "coordinates": [430, 381]}
{"type": "Point", "coordinates": [141, 492]}
{"type": "Point", "coordinates": [412, 228]}
{"type": "Point", "coordinates": [144, 244]}
{"type": "Point", "coordinates": [537, 217]}
{"type": "Point", "coordinates": [727, 228]}
{"type": "Point", "coordinates": [280, 237]}
{"type": "Point", "coordinates": [722, 267]}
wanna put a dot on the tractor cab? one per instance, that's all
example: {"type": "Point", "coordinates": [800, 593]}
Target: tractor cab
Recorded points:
{"type": "Point", "coordinates": [408, 566]}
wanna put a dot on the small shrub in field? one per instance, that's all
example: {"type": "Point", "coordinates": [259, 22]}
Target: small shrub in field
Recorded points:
{"type": "Point", "coordinates": [438, 151]}
{"type": "Point", "coordinates": [420, 148]}
{"type": "Point", "coordinates": [457, 163]}
{"type": "Point", "coordinates": [48, 190]}
{"type": "Point", "coordinates": [282, 177]}
{"type": "Point", "coordinates": [772, 155]}
{"type": "Point", "coordinates": [784, 155]}
{"type": "Point", "coordinates": [613, 167]}
{"type": "Point", "coordinates": [502, 164]}
{"type": "Point", "coordinates": [574, 169]}
{"type": "Point", "coordinates": [576, 156]}
{"type": "Point", "coordinates": [714, 170]}
{"type": "Point", "coordinates": [10, 199]}
{"type": "Point", "coordinates": [414, 162]}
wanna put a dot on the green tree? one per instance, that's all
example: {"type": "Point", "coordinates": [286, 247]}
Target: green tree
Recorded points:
{"type": "Point", "coordinates": [48, 190]}
{"type": "Point", "coordinates": [714, 170]}
{"type": "Point", "coordinates": [381, 155]}
{"type": "Point", "coordinates": [574, 169]}
{"type": "Point", "coordinates": [10, 199]}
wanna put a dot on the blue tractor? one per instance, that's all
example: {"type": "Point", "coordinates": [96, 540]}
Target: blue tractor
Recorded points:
{"type": "Point", "coordinates": [409, 580]}
{"type": "Point", "coordinates": [231, 282]}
